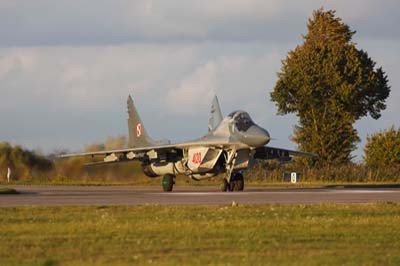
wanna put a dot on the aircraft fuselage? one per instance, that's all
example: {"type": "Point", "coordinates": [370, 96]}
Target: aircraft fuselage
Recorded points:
{"type": "Point", "coordinates": [232, 144]}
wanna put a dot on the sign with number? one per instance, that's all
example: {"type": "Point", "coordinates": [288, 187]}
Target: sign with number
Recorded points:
{"type": "Point", "coordinates": [293, 177]}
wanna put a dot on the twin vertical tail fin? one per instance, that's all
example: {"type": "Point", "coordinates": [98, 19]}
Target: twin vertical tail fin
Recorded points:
{"type": "Point", "coordinates": [216, 115]}
{"type": "Point", "coordinates": [138, 136]}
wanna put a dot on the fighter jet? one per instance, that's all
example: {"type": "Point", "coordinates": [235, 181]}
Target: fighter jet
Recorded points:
{"type": "Point", "coordinates": [230, 146]}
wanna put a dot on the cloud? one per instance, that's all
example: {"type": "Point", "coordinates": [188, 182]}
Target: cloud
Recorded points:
{"type": "Point", "coordinates": [194, 92]}
{"type": "Point", "coordinates": [229, 75]}
{"type": "Point", "coordinates": [23, 23]}
{"type": "Point", "coordinates": [78, 93]}
{"type": "Point", "coordinates": [88, 77]}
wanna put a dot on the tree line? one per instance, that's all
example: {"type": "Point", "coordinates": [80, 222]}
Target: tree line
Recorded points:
{"type": "Point", "coordinates": [381, 164]}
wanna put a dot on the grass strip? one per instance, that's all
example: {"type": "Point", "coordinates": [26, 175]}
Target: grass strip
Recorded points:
{"type": "Point", "coordinates": [326, 234]}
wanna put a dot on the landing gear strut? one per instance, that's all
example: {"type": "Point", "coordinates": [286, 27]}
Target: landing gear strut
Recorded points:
{"type": "Point", "coordinates": [236, 183]}
{"type": "Point", "coordinates": [168, 182]}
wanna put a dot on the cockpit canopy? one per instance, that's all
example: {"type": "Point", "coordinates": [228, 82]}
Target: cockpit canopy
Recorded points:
{"type": "Point", "coordinates": [242, 120]}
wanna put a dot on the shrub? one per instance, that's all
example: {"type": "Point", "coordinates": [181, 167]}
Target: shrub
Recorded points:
{"type": "Point", "coordinates": [25, 164]}
{"type": "Point", "coordinates": [383, 149]}
{"type": "Point", "coordinates": [272, 171]}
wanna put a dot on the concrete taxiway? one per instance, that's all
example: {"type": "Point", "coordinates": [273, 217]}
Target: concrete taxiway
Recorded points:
{"type": "Point", "coordinates": [133, 195]}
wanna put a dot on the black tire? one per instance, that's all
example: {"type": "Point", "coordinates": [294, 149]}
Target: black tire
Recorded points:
{"type": "Point", "coordinates": [239, 182]}
{"type": "Point", "coordinates": [232, 184]}
{"type": "Point", "coordinates": [225, 186]}
{"type": "Point", "coordinates": [168, 182]}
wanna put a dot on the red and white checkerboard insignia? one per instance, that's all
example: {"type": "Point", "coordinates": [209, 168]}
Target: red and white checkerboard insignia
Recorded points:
{"type": "Point", "coordinates": [138, 130]}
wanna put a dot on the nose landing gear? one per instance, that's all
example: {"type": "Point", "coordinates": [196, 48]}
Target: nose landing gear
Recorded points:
{"type": "Point", "coordinates": [236, 183]}
{"type": "Point", "coordinates": [168, 182]}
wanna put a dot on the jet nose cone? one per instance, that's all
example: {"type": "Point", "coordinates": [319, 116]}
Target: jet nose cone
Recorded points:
{"type": "Point", "coordinates": [263, 136]}
{"type": "Point", "coordinates": [257, 136]}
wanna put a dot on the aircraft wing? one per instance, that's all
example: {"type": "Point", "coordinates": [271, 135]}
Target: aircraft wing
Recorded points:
{"type": "Point", "coordinates": [121, 151]}
{"type": "Point", "coordinates": [268, 153]}
{"type": "Point", "coordinates": [123, 155]}
{"type": "Point", "coordinates": [146, 152]}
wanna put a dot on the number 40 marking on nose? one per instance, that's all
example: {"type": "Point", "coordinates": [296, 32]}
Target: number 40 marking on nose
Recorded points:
{"type": "Point", "coordinates": [196, 158]}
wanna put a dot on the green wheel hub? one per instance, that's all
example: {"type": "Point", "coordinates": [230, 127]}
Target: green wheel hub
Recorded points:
{"type": "Point", "coordinates": [168, 182]}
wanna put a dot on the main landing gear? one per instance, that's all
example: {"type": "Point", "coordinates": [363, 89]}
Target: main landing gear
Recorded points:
{"type": "Point", "coordinates": [168, 182]}
{"type": "Point", "coordinates": [236, 183]}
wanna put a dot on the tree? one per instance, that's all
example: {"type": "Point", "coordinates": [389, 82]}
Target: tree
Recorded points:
{"type": "Point", "coordinates": [329, 84]}
{"type": "Point", "coordinates": [383, 149]}
{"type": "Point", "coordinates": [22, 161]}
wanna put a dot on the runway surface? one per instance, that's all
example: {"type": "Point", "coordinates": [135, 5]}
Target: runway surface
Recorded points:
{"type": "Point", "coordinates": [133, 195]}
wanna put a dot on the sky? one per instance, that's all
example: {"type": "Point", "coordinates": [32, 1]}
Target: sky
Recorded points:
{"type": "Point", "coordinates": [67, 67]}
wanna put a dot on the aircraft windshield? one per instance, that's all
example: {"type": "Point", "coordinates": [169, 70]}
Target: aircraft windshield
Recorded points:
{"type": "Point", "coordinates": [242, 120]}
{"type": "Point", "coordinates": [231, 115]}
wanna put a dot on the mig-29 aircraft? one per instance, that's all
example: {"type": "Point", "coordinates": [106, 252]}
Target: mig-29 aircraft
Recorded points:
{"type": "Point", "coordinates": [230, 146]}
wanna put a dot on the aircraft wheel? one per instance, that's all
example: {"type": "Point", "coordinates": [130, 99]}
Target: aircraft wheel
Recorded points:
{"type": "Point", "coordinates": [239, 182]}
{"type": "Point", "coordinates": [232, 184]}
{"type": "Point", "coordinates": [168, 182]}
{"type": "Point", "coordinates": [225, 185]}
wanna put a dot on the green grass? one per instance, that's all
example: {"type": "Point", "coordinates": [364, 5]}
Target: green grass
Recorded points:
{"type": "Point", "coordinates": [327, 234]}
{"type": "Point", "coordinates": [8, 191]}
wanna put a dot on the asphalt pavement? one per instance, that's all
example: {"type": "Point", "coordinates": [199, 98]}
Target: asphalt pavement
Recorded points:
{"type": "Point", "coordinates": [134, 195]}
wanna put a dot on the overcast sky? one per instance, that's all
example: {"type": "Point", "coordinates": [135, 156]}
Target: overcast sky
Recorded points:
{"type": "Point", "coordinates": [67, 67]}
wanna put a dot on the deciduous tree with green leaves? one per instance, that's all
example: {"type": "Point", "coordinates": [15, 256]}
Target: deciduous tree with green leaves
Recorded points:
{"type": "Point", "coordinates": [383, 148]}
{"type": "Point", "coordinates": [329, 84]}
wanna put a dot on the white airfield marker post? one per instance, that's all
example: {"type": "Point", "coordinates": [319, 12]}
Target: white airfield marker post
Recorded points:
{"type": "Point", "coordinates": [8, 174]}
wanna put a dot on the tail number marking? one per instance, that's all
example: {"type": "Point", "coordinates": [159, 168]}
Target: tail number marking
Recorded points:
{"type": "Point", "coordinates": [138, 130]}
{"type": "Point", "coordinates": [196, 158]}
